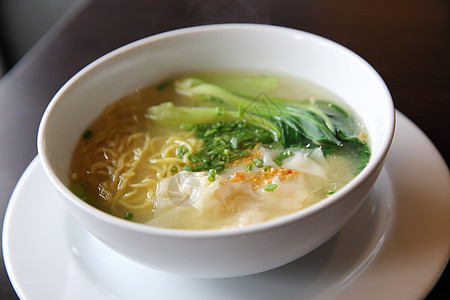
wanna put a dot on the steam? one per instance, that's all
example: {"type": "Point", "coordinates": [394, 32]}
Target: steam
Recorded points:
{"type": "Point", "coordinates": [227, 11]}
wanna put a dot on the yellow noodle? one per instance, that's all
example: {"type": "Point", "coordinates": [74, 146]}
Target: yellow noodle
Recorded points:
{"type": "Point", "coordinates": [166, 160]}
{"type": "Point", "coordinates": [123, 161]}
{"type": "Point", "coordinates": [135, 207]}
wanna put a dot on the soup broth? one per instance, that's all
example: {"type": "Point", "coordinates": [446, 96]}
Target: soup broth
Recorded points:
{"type": "Point", "coordinates": [206, 151]}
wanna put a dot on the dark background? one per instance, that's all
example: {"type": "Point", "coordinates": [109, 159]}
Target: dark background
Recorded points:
{"type": "Point", "coordinates": [407, 42]}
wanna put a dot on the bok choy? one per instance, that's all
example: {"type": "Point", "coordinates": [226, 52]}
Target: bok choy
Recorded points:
{"type": "Point", "coordinates": [241, 108]}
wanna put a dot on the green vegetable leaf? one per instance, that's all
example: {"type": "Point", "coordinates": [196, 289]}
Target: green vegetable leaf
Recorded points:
{"type": "Point", "coordinates": [212, 175]}
{"type": "Point", "coordinates": [246, 86]}
{"type": "Point", "coordinates": [270, 187]}
{"type": "Point", "coordinates": [247, 115]}
{"type": "Point", "coordinates": [340, 118]}
{"type": "Point", "coordinates": [358, 150]}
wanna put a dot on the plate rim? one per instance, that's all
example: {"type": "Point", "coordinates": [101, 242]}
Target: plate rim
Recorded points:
{"type": "Point", "coordinates": [35, 163]}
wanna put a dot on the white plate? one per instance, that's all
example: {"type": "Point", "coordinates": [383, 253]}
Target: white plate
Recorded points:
{"type": "Point", "coordinates": [395, 247]}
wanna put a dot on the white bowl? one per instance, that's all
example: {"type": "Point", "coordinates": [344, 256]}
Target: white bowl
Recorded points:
{"type": "Point", "coordinates": [230, 252]}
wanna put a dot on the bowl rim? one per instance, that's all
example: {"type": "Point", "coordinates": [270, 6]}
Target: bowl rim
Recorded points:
{"type": "Point", "coordinates": [374, 162]}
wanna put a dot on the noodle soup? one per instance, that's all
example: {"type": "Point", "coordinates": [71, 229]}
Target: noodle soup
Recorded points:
{"type": "Point", "coordinates": [206, 151]}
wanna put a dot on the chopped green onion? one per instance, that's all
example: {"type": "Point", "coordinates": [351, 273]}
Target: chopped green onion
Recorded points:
{"type": "Point", "coordinates": [258, 162]}
{"type": "Point", "coordinates": [194, 158]}
{"type": "Point", "coordinates": [279, 159]}
{"type": "Point", "coordinates": [267, 168]}
{"type": "Point", "coordinates": [212, 175]}
{"type": "Point", "coordinates": [174, 170]}
{"type": "Point", "coordinates": [234, 143]}
{"type": "Point", "coordinates": [286, 154]}
{"type": "Point", "coordinates": [199, 167]}
{"type": "Point", "coordinates": [223, 143]}
{"type": "Point", "coordinates": [181, 151]}
{"type": "Point", "coordinates": [128, 215]}
{"type": "Point", "coordinates": [270, 187]}
{"type": "Point", "coordinates": [210, 131]}
{"type": "Point", "coordinates": [188, 168]}
{"type": "Point", "coordinates": [249, 168]}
